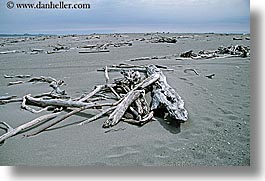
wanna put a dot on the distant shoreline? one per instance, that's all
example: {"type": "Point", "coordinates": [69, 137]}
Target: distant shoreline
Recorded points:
{"type": "Point", "coordinates": [71, 34]}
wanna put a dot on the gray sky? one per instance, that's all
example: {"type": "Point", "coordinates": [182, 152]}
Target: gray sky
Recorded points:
{"type": "Point", "coordinates": [108, 16]}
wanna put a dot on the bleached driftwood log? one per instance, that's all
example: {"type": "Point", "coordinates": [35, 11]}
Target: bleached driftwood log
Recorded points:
{"type": "Point", "coordinates": [62, 103]}
{"type": "Point", "coordinates": [165, 97]}
{"type": "Point", "coordinates": [117, 114]}
{"type": "Point", "coordinates": [13, 131]}
{"type": "Point", "coordinates": [17, 76]}
{"type": "Point", "coordinates": [96, 51]}
{"type": "Point", "coordinates": [7, 97]}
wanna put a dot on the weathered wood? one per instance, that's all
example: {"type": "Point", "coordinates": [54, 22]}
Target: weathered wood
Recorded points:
{"type": "Point", "coordinates": [140, 59]}
{"type": "Point", "coordinates": [210, 76]}
{"type": "Point", "coordinates": [7, 97]}
{"type": "Point", "coordinates": [165, 97]}
{"type": "Point", "coordinates": [117, 69]}
{"type": "Point", "coordinates": [16, 76]}
{"type": "Point", "coordinates": [15, 83]}
{"type": "Point", "coordinates": [190, 69]}
{"type": "Point", "coordinates": [10, 101]}
{"type": "Point", "coordinates": [96, 90]}
{"type": "Point", "coordinates": [28, 108]}
{"type": "Point", "coordinates": [42, 79]}
{"type": "Point", "coordinates": [148, 81]}
{"type": "Point", "coordinates": [115, 93]}
{"type": "Point", "coordinates": [63, 103]}
{"type": "Point", "coordinates": [6, 127]}
{"type": "Point", "coordinates": [57, 121]}
{"type": "Point", "coordinates": [11, 51]}
{"type": "Point", "coordinates": [27, 125]}
{"type": "Point", "coordinates": [97, 51]}
{"type": "Point", "coordinates": [66, 116]}
{"type": "Point", "coordinates": [106, 74]}
{"type": "Point", "coordinates": [102, 113]}
{"type": "Point", "coordinates": [141, 122]}
{"type": "Point", "coordinates": [128, 90]}
{"type": "Point", "coordinates": [162, 39]}
{"type": "Point", "coordinates": [117, 114]}
{"type": "Point", "coordinates": [188, 54]}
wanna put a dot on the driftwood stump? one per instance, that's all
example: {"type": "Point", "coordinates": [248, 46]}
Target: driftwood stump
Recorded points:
{"type": "Point", "coordinates": [165, 97]}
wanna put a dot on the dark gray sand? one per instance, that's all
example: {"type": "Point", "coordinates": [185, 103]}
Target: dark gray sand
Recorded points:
{"type": "Point", "coordinates": [216, 134]}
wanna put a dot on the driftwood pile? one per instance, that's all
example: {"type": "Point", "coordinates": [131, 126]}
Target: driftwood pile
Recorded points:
{"type": "Point", "coordinates": [163, 39]}
{"type": "Point", "coordinates": [125, 99]}
{"type": "Point", "coordinates": [232, 51]}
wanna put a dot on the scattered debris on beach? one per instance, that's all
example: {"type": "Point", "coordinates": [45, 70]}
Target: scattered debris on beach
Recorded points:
{"type": "Point", "coordinates": [163, 39]}
{"type": "Point", "coordinates": [124, 99]}
{"type": "Point", "coordinates": [232, 51]}
{"type": "Point", "coordinates": [9, 52]}
{"type": "Point", "coordinates": [210, 76]}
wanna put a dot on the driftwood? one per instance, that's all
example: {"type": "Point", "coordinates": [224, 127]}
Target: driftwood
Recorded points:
{"type": "Point", "coordinates": [9, 52]}
{"type": "Point", "coordinates": [17, 76]}
{"type": "Point", "coordinates": [238, 50]}
{"type": "Point", "coordinates": [162, 39]}
{"type": "Point", "coordinates": [10, 100]}
{"type": "Point", "coordinates": [2, 98]}
{"type": "Point", "coordinates": [96, 51]}
{"type": "Point", "coordinates": [231, 51]}
{"type": "Point", "coordinates": [152, 58]}
{"type": "Point", "coordinates": [57, 121]}
{"type": "Point", "coordinates": [188, 54]}
{"type": "Point", "coordinates": [13, 131]}
{"type": "Point", "coordinates": [102, 113]}
{"type": "Point", "coordinates": [141, 122]}
{"type": "Point", "coordinates": [165, 97]}
{"type": "Point", "coordinates": [62, 103]}
{"type": "Point", "coordinates": [235, 38]}
{"type": "Point", "coordinates": [124, 98]}
{"type": "Point", "coordinates": [54, 84]}
{"type": "Point", "coordinates": [193, 70]}
{"type": "Point", "coordinates": [117, 114]}
{"type": "Point", "coordinates": [210, 76]}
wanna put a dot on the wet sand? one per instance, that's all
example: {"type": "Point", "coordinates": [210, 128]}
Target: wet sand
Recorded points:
{"type": "Point", "coordinates": [216, 134]}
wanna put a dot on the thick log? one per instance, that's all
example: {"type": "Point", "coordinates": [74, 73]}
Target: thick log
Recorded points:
{"type": "Point", "coordinates": [165, 97]}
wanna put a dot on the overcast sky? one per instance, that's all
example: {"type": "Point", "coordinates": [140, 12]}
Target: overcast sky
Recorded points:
{"type": "Point", "coordinates": [108, 16]}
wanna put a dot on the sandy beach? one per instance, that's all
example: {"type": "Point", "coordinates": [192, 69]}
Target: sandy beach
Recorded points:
{"type": "Point", "coordinates": [217, 132]}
